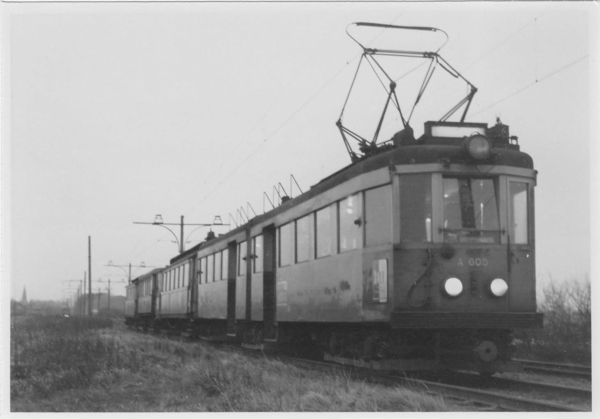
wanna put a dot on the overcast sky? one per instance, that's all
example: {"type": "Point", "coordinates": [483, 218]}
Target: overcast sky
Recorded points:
{"type": "Point", "coordinates": [113, 113]}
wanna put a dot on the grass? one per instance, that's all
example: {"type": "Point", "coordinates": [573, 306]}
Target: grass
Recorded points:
{"type": "Point", "coordinates": [67, 365]}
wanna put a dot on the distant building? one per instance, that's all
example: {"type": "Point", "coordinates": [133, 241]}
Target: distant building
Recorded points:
{"type": "Point", "coordinates": [24, 297]}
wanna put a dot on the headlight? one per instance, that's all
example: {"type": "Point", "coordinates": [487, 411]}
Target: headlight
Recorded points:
{"type": "Point", "coordinates": [499, 287]}
{"type": "Point", "coordinates": [453, 287]}
{"type": "Point", "coordinates": [478, 146]}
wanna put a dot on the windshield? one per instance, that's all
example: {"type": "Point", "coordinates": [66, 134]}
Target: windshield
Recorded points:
{"type": "Point", "coordinates": [470, 210]}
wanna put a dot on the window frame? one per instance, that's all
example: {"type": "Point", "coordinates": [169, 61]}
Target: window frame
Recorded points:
{"type": "Point", "coordinates": [224, 264]}
{"type": "Point", "coordinates": [529, 208]}
{"type": "Point", "coordinates": [256, 257]}
{"type": "Point", "coordinates": [361, 233]}
{"type": "Point", "coordinates": [241, 259]}
{"type": "Point", "coordinates": [290, 243]}
{"type": "Point", "coordinates": [329, 229]}
{"type": "Point", "coordinates": [308, 241]}
{"type": "Point", "coordinates": [390, 189]}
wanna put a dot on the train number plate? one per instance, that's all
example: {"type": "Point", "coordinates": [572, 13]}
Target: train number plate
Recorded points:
{"type": "Point", "coordinates": [380, 285]}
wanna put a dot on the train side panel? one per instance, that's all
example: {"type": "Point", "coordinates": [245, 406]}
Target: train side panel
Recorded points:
{"type": "Point", "coordinates": [130, 301]}
{"type": "Point", "coordinates": [212, 300]}
{"type": "Point", "coordinates": [327, 290]}
{"type": "Point", "coordinates": [175, 303]}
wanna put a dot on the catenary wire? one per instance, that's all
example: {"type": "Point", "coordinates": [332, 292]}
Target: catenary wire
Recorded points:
{"type": "Point", "coordinates": [531, 85]}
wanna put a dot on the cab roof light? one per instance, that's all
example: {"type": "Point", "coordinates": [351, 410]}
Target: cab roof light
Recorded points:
{"type": "Point", "coordinates": [478, 146]}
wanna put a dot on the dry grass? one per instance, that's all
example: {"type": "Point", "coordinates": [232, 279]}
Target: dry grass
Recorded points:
{"type": "Point", "coordinates": [110, 370]}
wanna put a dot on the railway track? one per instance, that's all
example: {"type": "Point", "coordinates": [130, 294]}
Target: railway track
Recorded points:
{"type": "Point", "coordinates": [567, 370]}
{"type": "Point", "coordinates": [576, 397]}
{"type": "Point", "coordinates": [468, 389]}
{"type": "Point", "coordinates": [489, 399]}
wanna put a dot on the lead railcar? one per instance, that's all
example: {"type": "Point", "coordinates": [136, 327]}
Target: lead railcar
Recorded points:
{"type": "Point", "coordinates": [419, 254]}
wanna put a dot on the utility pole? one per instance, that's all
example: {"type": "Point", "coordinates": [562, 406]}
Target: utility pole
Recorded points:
{"type": "Point", "coordinates": [181, 243]}
{"type": "Point", "coordinates": [85, 293]}
{"type": "Point", "coordinates": [90, 274]}
{"type": "Point", "coordinates": [108, 296]}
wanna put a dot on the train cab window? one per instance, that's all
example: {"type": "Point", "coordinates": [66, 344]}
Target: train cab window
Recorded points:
{"type": "Point", "coordinates": [257, 254]}
{"type": "Point", "coordinates": [378, 216]}
{"type": "Point", "coordinates": [224, 264]}
{"type": "Point", "coordinates": [210, 268]}
{"type": "Point", "coordinates": [285, 245]}
{"type": "Point", "coordinates": [203, 271]}
{"type": "Point", "coordinates": [470, 212]}
{"type": "Point", "coordinates": [518, 225]}
{"type": "Point", "coordinates": [218, 266]}
{"type": "Point", "coordinates": [241, 259]}
{"type": "Point", "coordinates": [302, 239]}
{"type": "Point", "coordinates": [415, 208]}
{"type": "Point", "coordinates": [323, 242]}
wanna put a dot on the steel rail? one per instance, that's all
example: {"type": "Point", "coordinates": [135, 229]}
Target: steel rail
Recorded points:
{"type": "Point", "coordinates": [571, 370]}
{"type": "Point", "coordinates": [512, 384]}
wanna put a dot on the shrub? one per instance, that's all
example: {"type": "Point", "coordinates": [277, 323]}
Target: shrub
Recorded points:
{"type": "Point", "coordinates": [566, 336]}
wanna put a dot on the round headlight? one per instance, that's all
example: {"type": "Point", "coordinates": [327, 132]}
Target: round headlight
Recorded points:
{"type": "Point", "coordinates": [478, 146]}
{"type": "Point", "coordinates": [499, 287]}
{"type": "Point", "coordinates": [453, 287]}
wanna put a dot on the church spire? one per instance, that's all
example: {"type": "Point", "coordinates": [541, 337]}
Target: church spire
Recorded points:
{"type": "Point", "coordinates": [24, 297]}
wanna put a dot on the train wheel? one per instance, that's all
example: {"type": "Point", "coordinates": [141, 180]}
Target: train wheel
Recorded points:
{"type": "Point", "coordinates": [334, 344]}
{"type": "Point", "coordinates": [369, 348]}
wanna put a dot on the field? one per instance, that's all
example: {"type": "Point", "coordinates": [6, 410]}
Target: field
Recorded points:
{"type": "Point", "coordinates": [82, 364]}
{"type": "Point", "coordinates": [92, 365]}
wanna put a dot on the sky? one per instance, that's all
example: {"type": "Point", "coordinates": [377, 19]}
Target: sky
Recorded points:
{"type": "Point", "coordinates": [113, 113]}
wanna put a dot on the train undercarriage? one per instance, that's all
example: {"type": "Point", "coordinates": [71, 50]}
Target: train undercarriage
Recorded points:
{"type": "Point", "coordinates": [376, 346]}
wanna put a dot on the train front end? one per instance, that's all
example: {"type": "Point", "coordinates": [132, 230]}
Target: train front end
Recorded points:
{"type": "Point", "coordinates": [464, 254]}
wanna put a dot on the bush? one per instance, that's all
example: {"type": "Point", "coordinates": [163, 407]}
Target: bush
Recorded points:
{"type": "Point", "coordinates": [566, 336]}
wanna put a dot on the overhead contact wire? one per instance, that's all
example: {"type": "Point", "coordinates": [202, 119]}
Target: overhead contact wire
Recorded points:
{"type": "Point", "coordinates": [532, 84]}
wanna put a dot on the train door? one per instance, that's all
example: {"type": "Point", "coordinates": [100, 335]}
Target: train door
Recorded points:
{"type": "Point", "coordinates": [269, 283]}
{"type": "Point", "coordinates": [193, 286]}
{"type": "Point", "coordinates": [154, 284]}
{"type": "Point", "coordinates": [521, 245]}
{"type": "Point", "coordinates": [137, 293]}
{"type": "Point", "coordinates": [231, 289]}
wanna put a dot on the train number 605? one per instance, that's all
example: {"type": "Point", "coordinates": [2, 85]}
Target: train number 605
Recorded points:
{"type": "Point", "coordinates": [478, 262]}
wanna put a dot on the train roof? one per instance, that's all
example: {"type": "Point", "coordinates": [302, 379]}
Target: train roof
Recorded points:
{"type": "Point", "coordinates": [429, 148]}
{"type": "Point", "coordinates": [147, 274]}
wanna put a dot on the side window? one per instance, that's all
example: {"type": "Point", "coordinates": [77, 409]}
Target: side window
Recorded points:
{"type": "Point", "coordinates": [203, 271]}
{"type": "Point", "coordinates": [257, 252]}
{"type": "Point", "coordinates": [241, 259]}
{"type": "Point", "coordinates": [225, 264]}
{"type": "Point", "coordinates": [185, 274]}
{"type": "Point", "coordinates": [350, 232]}
{"type": "Point", "coordinates": [302, 239]}
{"type": "Point", "coordinates": [210, 271]}
{"type": "Point", "coordinates": [285, 245]}
{"type": "Point", "coordinates": [378, 216]}
{"type": "Point", "coordinates": [323, 242]}
{"type": "Point", "coordinates": [218, 266]}
{"type": "Point", "coordinates": [415, 208]}
{"type": "Point", "coordinates": [518, 212]}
